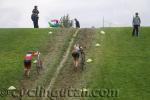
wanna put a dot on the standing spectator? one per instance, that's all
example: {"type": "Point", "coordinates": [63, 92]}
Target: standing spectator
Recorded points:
{"type": "Point", "coordinates": [136, 24]}
{"type": "Point", "coordinates": [77, 23]}
{"type": "Point", "coordinates": [35, 17]}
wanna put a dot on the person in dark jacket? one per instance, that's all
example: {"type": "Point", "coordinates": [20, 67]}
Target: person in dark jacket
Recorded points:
{"type": "Point", "coordinates": [35, 17]}
{"type": "Point", "coordinates": [136, 24]}
{"type": "Point", "coordinates": [77, 23]}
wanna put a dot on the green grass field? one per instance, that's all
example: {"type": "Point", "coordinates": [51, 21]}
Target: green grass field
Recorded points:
{"type": "Point", "coordinates": [14, 43]}
{"type": "Point", "coordinates": [121, 62]}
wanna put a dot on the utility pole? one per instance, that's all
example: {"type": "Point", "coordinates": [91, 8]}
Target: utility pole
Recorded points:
{"type": "Point", "coordinates": [103, 22]}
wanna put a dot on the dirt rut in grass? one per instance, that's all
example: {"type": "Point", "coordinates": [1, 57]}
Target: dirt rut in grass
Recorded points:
{"type": "Point", "coordinates": [56, 47]}
{"type": "Point", "coordinates": [68, 78]}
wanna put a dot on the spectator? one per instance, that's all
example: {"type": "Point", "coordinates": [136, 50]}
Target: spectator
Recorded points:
{"type": "Point", "coordinates": [77, 23]}
{"type": "Point", "coordinates": [35, 17]}
{"type": "Point", "coordinates": [136, 24]}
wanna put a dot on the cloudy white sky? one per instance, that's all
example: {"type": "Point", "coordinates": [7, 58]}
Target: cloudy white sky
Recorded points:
{"type": "Point", "coordinates": [17, 13]}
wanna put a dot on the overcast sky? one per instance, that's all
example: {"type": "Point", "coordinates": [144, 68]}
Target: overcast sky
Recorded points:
{"type": "Point", "coordinates": [17, 13]}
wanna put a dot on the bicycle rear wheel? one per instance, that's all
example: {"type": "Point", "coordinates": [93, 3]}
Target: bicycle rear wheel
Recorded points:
{"type": "Point", "coordinates": [83, 62]}
{"type": "Point", "coordinates": [39, 66]}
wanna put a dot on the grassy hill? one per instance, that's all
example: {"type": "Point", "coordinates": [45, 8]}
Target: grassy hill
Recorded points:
{"type": "Point", "coordinates": [120, 63]}
{"type": "Point", "coordinates": [14, 44]}
{"type": "Point", "coordinates": [120, 67]}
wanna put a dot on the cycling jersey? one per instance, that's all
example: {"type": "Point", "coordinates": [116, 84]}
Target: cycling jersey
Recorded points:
{"type": "Point", "coordinates": [28, 57]}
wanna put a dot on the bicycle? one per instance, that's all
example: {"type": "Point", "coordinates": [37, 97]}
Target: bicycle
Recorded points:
{"type": "Point", "coordinates": [38, 64]}
{"type": "Point", "coordinates": [82, 62]}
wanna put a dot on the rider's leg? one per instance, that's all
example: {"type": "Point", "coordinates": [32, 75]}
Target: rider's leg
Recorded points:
{"type": "Point", "coordinates": [74, 61]}
{"type": "Point", "coordinates": [77, 62]}
{"type": "Point", "coordinates": [25, 68]}
{"type": "Point", "coordinates": [28, 72]}
{"type": "Point", "coordinates": [28, 69]}
{"type": "Point", "coordinates": [25, 71]}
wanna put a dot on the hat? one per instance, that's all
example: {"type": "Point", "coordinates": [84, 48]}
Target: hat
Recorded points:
{"type": "Point", "coordinates": [136, 13]}
{"type": "Point", "coordinates": [35, 6]}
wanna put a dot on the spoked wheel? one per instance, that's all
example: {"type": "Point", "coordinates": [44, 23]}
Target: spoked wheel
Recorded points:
{"type": "Point", "coordinates": [83, 61]}
{"type": "Point", "coordinates": [39, 66]}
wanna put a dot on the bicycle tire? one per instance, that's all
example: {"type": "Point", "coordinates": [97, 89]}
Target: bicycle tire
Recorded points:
{"type": "Point", "coordinates": [39, 66]}
{"type": "Point", "coordinates": [83, 61]}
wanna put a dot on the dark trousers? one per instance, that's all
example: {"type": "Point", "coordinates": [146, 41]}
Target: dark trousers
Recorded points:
{"type": "Point", "coordinates": [135, 30]}
{"type": "Point", "coordinates": [35, 22]}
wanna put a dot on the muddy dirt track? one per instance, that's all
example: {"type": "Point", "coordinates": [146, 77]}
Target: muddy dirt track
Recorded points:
{"type": "Point", "coordinates": [55, 47]}
{"type": "Point", "coordinates": [67, 77]}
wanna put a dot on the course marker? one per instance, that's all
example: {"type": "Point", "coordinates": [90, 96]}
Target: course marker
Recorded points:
{"type": "Point", "coordinates": [11, 88]}
{"type": "Point", "coordinates": [35, 61]}
{"type": "Point", "coordinates": [97, 45]}
{"type": "Point", "coordinates": [102, 32]}
{"type": "Point", "coordinates": [89, 60]}
{"type": "Point", "coordinates": [50, 32]}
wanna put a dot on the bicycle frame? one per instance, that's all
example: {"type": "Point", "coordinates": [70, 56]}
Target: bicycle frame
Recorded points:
{"type": "Point", "coordinates": [82, 59]}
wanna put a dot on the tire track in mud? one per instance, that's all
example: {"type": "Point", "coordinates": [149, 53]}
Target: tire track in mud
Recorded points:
{"type": "Point", "coordinates": [67, 77]}
{"type": "Point", "coordinates": [53, 80]}
{"type": "Point", "coordinates": [58, 43]}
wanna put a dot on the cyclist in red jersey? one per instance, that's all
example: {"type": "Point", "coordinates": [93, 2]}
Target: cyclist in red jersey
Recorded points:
{"type": "Point", "coordinates": [27, 63]}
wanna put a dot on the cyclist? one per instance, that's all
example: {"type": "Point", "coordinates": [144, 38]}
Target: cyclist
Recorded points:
{"type": "Point", "coordinates": [76, 55]}
{"type": "Point", "coordinates": [28, 61]}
